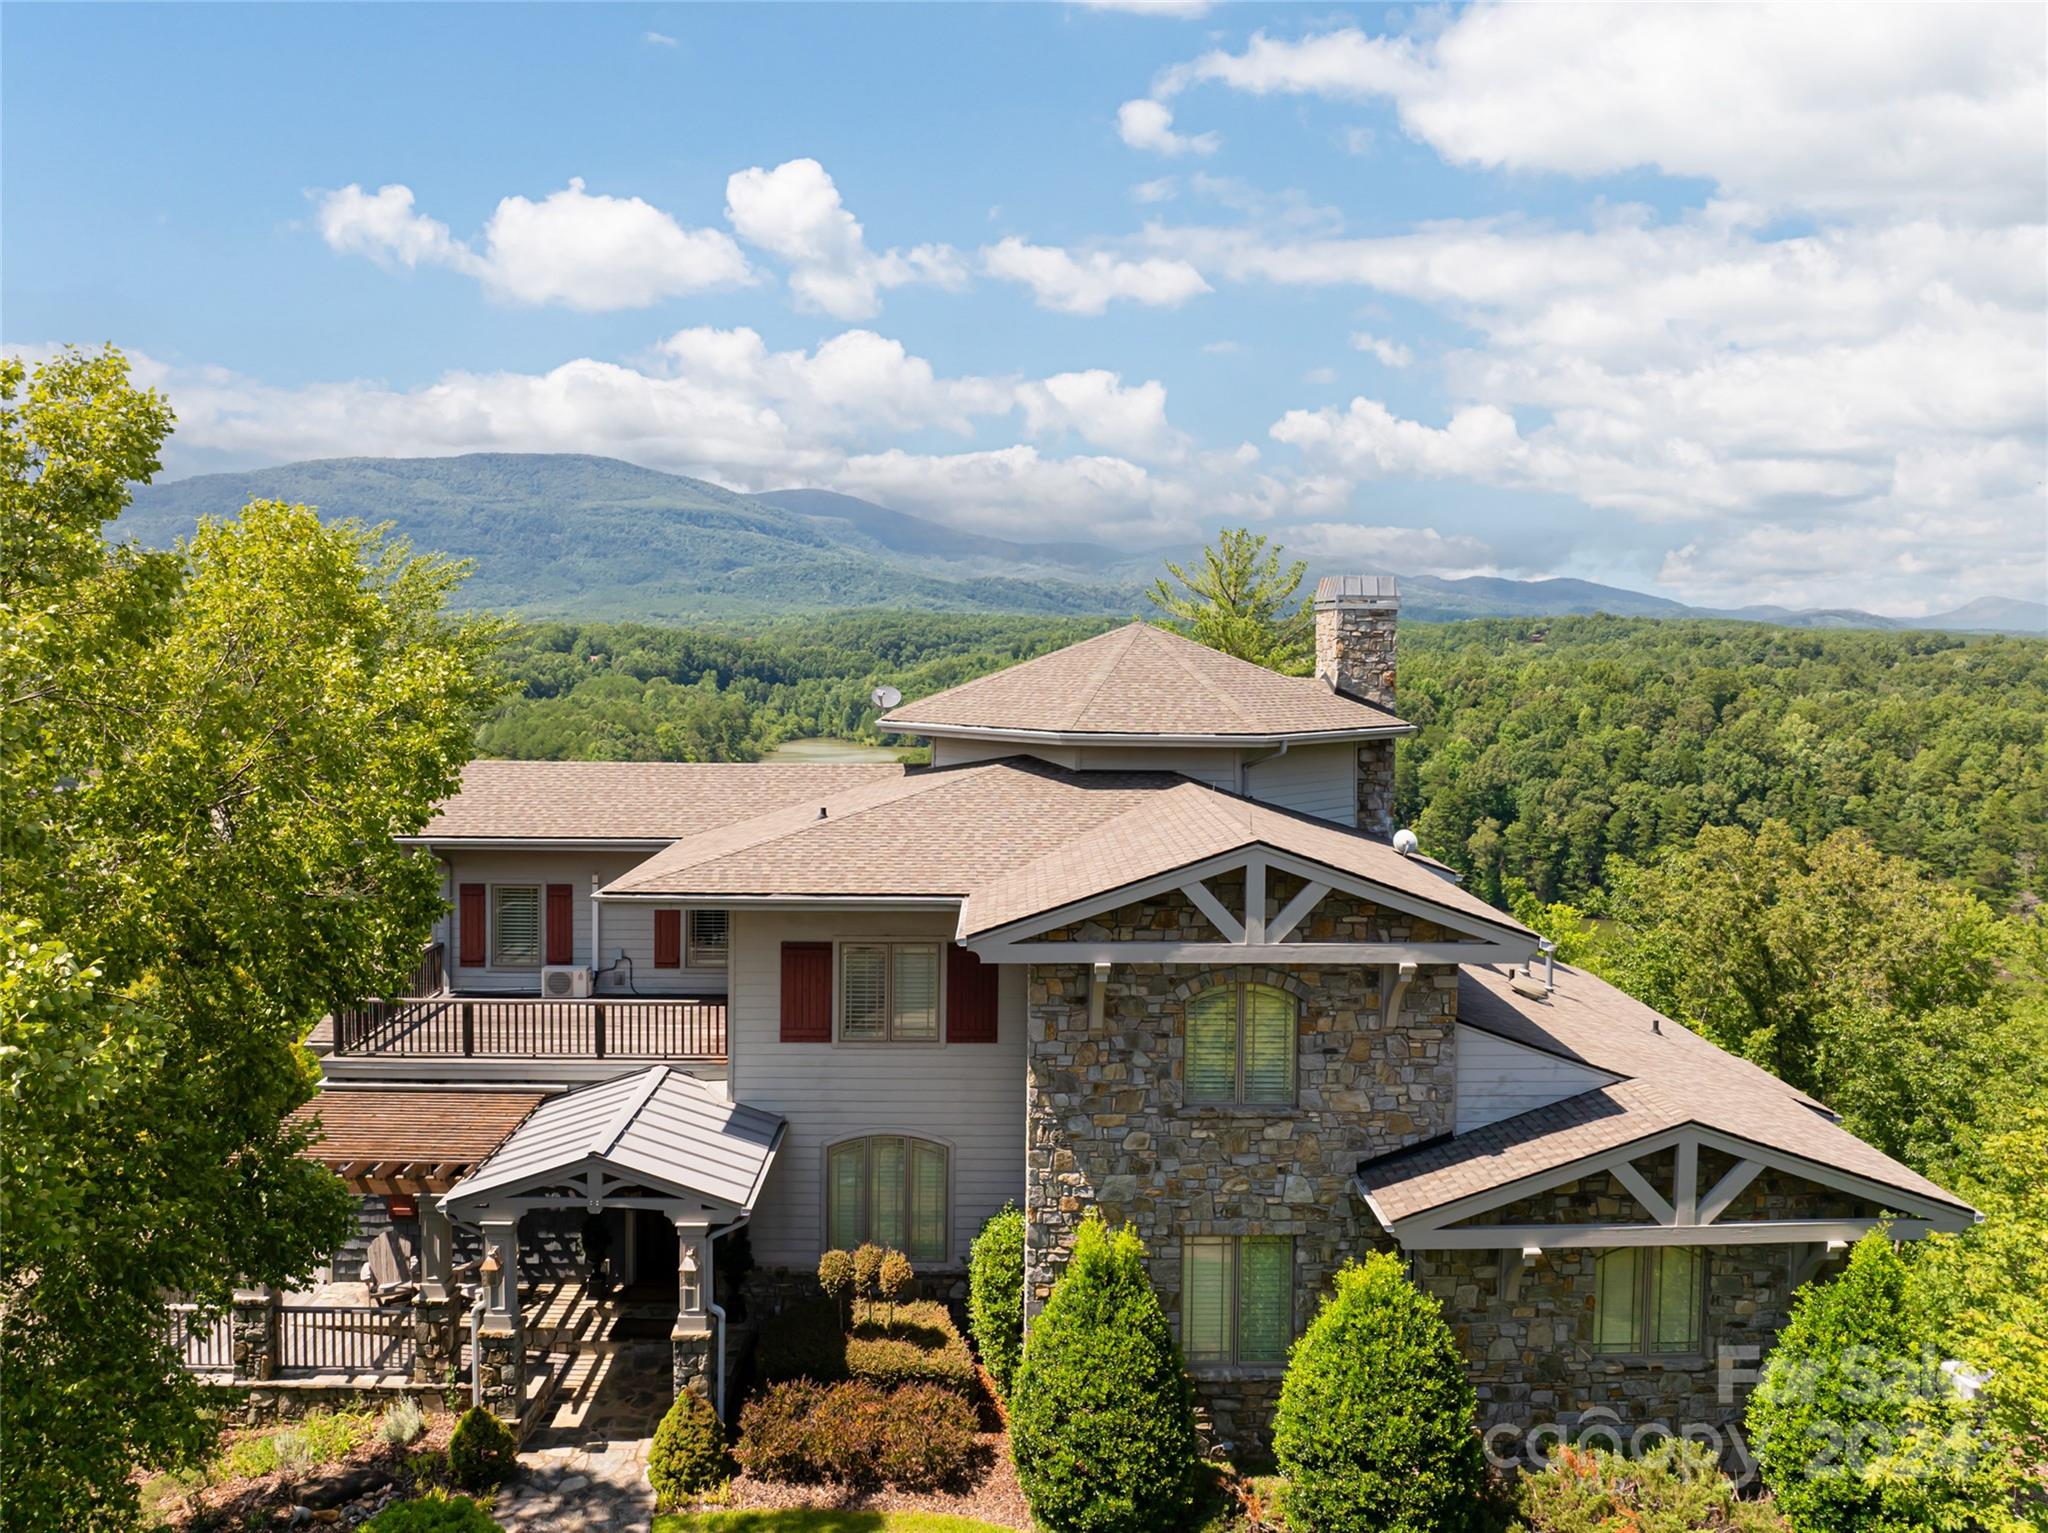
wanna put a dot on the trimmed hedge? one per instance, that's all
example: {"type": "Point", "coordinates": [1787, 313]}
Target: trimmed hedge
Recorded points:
{"type": "Point", "coordinates": [687, 1456]}
{"type": "Point", "coordinates": [995, 1295]}
{"type": "Point", "coordinates": [1375, 1429]}
{"type": "Point", "coordinates": [482, 1455]}
{"type": "Point", "coordinates": [1102, 1425]}
{"type": "Point", "coordinates": [918, 1437]}
{"type": "Point", "coordinates": [1676, 1487]}
{"type": "Point", "coordinates": [913, 1343]}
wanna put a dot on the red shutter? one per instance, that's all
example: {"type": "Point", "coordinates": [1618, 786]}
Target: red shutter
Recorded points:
{"type": "Point", "coordinates": [561, 923]}
{"type": "Point", "coordinates": [668, 939]}
{"type": "Point", "coordinates": [806, 992]}
{"type": "Point", "coordinates": [970, 998]}
{"type": "Point", "coordinates": [469, 922]}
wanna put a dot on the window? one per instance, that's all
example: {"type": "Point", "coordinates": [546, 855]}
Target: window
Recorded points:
{"type": "Point", "coordinates": [1240, 1044]}
{"type": "Point", "coordinates": [515, 926]}
{"type": "Point", "coordinates": [890, 1190]}
{"type": "Point", "coordinates": [1237, 1299]}
{"type": "Point", "coordinates": [889, 991]}
{"type": "Point", "coordinates": [709, 933]}
{"type": "Point", "coordinates": [1647, 1300]}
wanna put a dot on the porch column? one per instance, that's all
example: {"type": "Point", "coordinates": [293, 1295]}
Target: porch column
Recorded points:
{"type": "Point", "coordinates": [501, 1335]}
{"type": "Point", "coordinates": [438, 1309]}
{"type": "Point", "coordinates": [693, 1339]}
{"type": "Point", "coordinates": [254, 1332]}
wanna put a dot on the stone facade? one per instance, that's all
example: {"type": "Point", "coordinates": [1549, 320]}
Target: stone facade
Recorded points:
{"type": "Point", "coordinates": [1107, 1126]}
{"type": "Point", "coordinates": [501, 1372]}
{"type": "Point", "coordinates": [695, 1353]}
{"type": "Point", "coordinates": [437, 1338]}
{"type": "Point", "coordinates": [253, 1333]}
{"type": "Point", "coordinates": [1356, 654]}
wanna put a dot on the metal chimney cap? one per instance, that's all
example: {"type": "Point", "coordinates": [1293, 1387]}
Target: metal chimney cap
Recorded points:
{"type": "Point", "coordinates": [1357, 591]}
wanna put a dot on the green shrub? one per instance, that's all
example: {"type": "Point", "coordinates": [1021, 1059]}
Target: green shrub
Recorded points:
{"type": "Point", "coordinates": [687, 1456]}
{"type": "Point", "coordinates": [1102, 1425]}
{"type": "Point", "coordinates": [295, 1452]}
{"type": "Point", "coordinates": [1676, 1487]}
{"type": "Point", "coordinates": [250, 1458]}
{"type": "Point", "coordinates": [401, 1423]}
{"type": "Point", "coordinates": [482, 1455]}
{"type": "Point", "coordinates": [916, 1438]}
{"type": "Point", "coordinates": [995, 1295]}
{"type": "Point", "coordinates": [433, 1514]}
{"type": "Point", "coordinates": [1853, 1424]}
{"type": "Point", "coordinates": [1375, 1428]}
{"type": "Point", "coordinates": [331, 1436]}
{"type": "Point", "coordinates": [902, 1344]}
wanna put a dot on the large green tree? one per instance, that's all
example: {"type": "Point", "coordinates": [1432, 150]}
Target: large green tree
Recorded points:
{"type": "Point", "coordinates": [1241, 600]}
{"type": "Point", "coordinates": [204, 757]}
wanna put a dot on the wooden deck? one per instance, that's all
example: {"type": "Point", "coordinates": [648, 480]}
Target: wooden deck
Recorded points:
{"type": "Point", "coordinates": [522, 1027]}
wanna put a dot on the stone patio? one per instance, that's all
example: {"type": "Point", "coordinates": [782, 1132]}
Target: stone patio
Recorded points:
{"type": "Point", "coordinates": [571, 1487]}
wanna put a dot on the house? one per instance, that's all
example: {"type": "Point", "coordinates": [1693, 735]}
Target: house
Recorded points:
{"type": "Point", "coordinates": [1143, 938]}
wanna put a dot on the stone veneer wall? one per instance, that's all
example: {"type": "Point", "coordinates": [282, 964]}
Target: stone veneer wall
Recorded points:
{"type": "Point", "coordinates": [1355, 652]}
{"type": "Point", "coordinates": [1107, 1127]}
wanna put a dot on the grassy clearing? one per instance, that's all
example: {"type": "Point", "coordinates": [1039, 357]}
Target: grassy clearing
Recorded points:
{"type": "Point", "coordinates": [818, 1522]}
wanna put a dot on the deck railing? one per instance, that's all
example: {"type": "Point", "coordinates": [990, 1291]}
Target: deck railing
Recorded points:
{"type": "Point", "coordinates": [336, 1338]}
{"type": "Point", "coordinates": [204, 1348]}
{"type": "Point", "coordinates": [517, 1027]}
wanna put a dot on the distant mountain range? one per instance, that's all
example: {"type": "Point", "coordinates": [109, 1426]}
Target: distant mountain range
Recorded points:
{"type": "Point", "coordinates": [562, 534]}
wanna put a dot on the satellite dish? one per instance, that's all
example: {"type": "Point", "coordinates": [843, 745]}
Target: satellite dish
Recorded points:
{"type": "Point", "coordinates": [1405, 842]}
{"type": "Point", "coordinates": [886, 697]}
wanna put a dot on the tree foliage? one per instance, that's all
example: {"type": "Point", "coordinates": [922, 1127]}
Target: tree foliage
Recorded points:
{"type": "Point", "coordinates": [1241, 600]}
{"type": "Point", "coordinates": [204, 757]}
{"type": "Point", "coordinates": [995, 1295]}
{"type": "Point", "coordinates": [1102, 1423]}
{"type": "Point", "coordinates": [1375, 1431]}
{"type": "Point", "coordinates": [1856, 1427]}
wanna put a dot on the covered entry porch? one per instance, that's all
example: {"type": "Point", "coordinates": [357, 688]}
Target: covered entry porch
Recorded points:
{"type": "Point", "coordinates": [655, 1166]}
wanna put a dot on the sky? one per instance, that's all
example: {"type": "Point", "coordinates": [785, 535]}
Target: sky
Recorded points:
{"type": "Point", "coordinates": [1735, 305]}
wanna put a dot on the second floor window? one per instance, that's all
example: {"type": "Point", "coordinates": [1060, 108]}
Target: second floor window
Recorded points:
{"type": "Point", "coordinates": [708, 938]}
{"type": "Point", "coordinates": [889, 992]}
{"type": "Point", "coordinates": [1240, 1045]}
{"type": "Point", "coordinates": [515, 926]}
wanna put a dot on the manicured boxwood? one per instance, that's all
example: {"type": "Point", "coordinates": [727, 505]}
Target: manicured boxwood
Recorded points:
{"type": "Point", "coordinates": [995, 1295]}
{"type": "Point", "coordinates": [687, 1456]}
{"type": "Point", "coordinates": [482, 1455]}
{"type": "Point", "coordinates": [913, 1343]}
{"type": "Point", "coordinates": [918, 1437]}
{"type": "Point", "coordinates": [1102, 1423]}
{"type": "Point", "coordinates": [1375, 1429]}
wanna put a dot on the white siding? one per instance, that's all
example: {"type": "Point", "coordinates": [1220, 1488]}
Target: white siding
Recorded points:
{"type": "Point", "coordinates": [1498, 1079]}
{"type": "Point", "coordinates": [1321, 780]}
{"type": "Point", "coordinates": [967, 1096]}
{"type": "Point", "coordinates": [623, 928]}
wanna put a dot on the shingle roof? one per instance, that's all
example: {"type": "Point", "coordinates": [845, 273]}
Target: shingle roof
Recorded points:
{"type": "Point", "coordinates": [449, 1128]}
{"type": "Point", "coordinates": [1013, 838]}
{"type": "Point", "coordinates": [1672, 1077]}
{"type": "Point", "coordinates": [1141, 680]}
{"type": "Point", "coordinates": [632, 800]}
{"type": "Point", "coordinates": [657, 1124]}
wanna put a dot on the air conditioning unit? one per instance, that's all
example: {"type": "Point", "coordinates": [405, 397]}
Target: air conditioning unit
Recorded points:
{"type": "Point", "coordinates": [563, 982]}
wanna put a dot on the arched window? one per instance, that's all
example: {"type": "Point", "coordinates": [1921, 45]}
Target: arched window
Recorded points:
{"type": "Point", "coordinates": [890, 1189]}
{"type": "Point", "coordinates": [1241, 1040]}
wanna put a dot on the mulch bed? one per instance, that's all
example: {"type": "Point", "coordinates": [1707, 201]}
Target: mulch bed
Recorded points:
{"type": "Point", "coordinates": [995, 1498]}
{"type": "Point", "coordinates": [355, 1484]}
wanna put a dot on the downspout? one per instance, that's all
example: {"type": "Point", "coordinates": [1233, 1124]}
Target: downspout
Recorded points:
{"type": "Point", "coordinates": [717, 1313]}
{"type": "Point", "coordinates": [596, 937]}
{"type": "Point", "coordinates": [476, 1377]}
{"type": "Point", "coordinates": [1244, 769]}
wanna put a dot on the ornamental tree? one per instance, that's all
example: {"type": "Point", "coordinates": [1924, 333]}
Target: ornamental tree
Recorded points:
{"type": "Point", "coordinates": [204, 757]}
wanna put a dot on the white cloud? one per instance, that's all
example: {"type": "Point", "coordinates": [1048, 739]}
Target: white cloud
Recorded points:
{"type": "Point", "coordinates": [659, 39]}
{"type": "Point", "coordinates": [795, 212]}
{"type": "Point", "coordinates": [1089, 283]}
{"type": "Point", "coordinates": [1903, 107]}
{"type": "Point", "coordinates": [583, 251]}
{"type": "Point", "coordinates": [1164, 189]}
{"type": "Point", "coordinates": [1148, 125]}
{"type": "Point", "coordinates": [1320, 375]}
{"type": "Point", "coordinates": [1099, 408]}
{"type": "Point", "coordinates": [1389, 353]}
{"type": "Point", "coordinates": [1410, 550]}
{"type": "Point", "coordinates": [1183, 9]}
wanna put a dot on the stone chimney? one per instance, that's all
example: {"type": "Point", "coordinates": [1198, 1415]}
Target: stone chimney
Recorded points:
{"type": "Point", "coordinates": [1355, 617]}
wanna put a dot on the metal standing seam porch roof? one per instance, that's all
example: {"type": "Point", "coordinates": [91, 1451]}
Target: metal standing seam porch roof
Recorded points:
{"type": "Point", "coordinates": [655, 1127]}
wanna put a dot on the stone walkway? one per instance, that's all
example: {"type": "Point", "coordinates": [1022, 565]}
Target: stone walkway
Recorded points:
{"type": "Point", "coordinates": [574, 1486]}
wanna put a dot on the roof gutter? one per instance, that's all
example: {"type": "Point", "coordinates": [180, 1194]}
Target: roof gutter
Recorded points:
{"type": "Point", "coordinates": [536, 843]}
{"type": "Point", "coordinates": [789, 901]}
{"type": "Point", "coordinates": [1089, 737]}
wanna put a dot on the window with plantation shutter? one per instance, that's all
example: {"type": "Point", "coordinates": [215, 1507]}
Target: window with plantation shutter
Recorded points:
{"type": "Point", "coordinates": [889, 992]}
{"type": "Point", "coordinates": [1240, 1045]}
{"type": "Point", "coordinates": [1237, 1299]}
{"type": "Point", "coordinates": [890, 1189]}
{"type": "Point", "coordinates": [710, 938]}
{"type": "Point", "coordinates": [1648, 1300]}
{"type": "Point", "coordinates": [515, 926]}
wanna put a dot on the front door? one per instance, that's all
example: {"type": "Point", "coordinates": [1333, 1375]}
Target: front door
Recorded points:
{"type": "Point", "coordinates": [655, 1251]}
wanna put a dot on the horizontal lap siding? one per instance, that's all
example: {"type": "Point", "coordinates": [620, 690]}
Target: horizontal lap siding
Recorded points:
{"type": "Point", "coordinates": [969, 1095]}
{"type": "Point", "coordinates": [1321, 780]}
{"type": "Point", "coordinates": [630, 927]}
{"type": "Point", "coordinates": [1498, 1079]}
